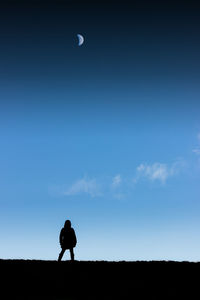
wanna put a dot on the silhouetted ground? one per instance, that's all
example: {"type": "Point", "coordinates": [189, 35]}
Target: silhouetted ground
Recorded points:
{"type": "Point", "coordinates": [32, 279]}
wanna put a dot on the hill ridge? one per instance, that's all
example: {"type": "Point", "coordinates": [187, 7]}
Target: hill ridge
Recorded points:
{"type": "Point", "coordinates": [52, 280]}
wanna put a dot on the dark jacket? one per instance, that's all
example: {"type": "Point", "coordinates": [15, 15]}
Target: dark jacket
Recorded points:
{"type": "Point", "coordinates": [67, 238]}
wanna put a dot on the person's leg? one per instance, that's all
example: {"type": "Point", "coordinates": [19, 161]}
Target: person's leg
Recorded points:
{"type": "Point", "coordinates": [61, 254]}
{"type": "Point", "coordinates": [72, 253]}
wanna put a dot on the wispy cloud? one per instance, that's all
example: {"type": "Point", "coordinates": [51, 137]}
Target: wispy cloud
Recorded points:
{"type": "Point", "coordinates": [117, 187]}
{"type": "Point", "coordinates": [157, 171]}
{"type": "Point", "coordinates": [83, 185]}
{"type": "Point", "coordinates": [116, 181]}
{"type": "Point", "coordinates": [196, 150]}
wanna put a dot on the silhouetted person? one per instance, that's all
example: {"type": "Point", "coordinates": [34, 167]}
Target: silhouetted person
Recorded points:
{"type": "Point", "coordinates": [67, 240]}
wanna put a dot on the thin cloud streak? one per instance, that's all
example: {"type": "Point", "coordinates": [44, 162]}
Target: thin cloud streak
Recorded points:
{"type": "Point", "coordinates": [118, 187]}
{"type": "Point", "coordinates": [157, 171]}
{"type": "Point", "coordinates": [116, 181]}
{"type": "Point", "coordinates": [84, 186]}
{"type": "Point", "coordinates": [197, 149]}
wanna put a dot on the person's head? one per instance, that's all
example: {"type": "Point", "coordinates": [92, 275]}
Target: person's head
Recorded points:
{"type": "Point", "coordinates": [67, 224]}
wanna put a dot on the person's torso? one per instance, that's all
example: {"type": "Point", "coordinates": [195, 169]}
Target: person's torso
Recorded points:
{"type": "Point", "coordinates": [68, 237]}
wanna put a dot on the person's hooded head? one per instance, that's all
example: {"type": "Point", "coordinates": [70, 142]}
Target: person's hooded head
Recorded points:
{"type": "Point", "coordinates": [67, 224]}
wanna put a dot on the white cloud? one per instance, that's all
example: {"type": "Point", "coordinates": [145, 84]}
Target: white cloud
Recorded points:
{"type": "Point", "coordinates": [116, 181]}
{"type": "Point", "coordinates": [157, 171]}
{"type": "Point", "coordinates": [153, 172]}
{"type": "Point", "coordinates": [197, 149]}
{"type": "Point", "coordinates": [115, 187]}
{"type": "Point", "coordinates": [84, 185]}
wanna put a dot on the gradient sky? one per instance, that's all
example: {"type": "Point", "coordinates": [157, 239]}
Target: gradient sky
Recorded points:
{"type": "Point", "coordinates": [106, 134]}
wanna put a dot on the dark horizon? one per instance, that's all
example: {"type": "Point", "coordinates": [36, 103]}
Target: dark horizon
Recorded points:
{"type": "Point", "coordinates": [98, 280]}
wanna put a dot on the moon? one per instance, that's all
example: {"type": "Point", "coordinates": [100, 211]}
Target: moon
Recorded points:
{"type": "Point", "coordinates": [80, 39]}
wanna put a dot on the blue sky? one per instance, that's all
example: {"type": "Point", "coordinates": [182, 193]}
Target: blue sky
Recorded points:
{"type": "Point", "coordinates": [106, 136]}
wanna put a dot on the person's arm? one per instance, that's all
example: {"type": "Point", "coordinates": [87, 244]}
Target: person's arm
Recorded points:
{"type": "Point", "coordinates": [74, 238]}
{"type": "Point", "coordinates": [61, 237]}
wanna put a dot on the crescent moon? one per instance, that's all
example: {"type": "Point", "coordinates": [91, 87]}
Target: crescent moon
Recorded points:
{"type": "Point", "coordinates": [80, 39]}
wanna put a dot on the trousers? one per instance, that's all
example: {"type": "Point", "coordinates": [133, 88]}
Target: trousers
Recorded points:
{"type": "Point", "coordinates": [63, 251]}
